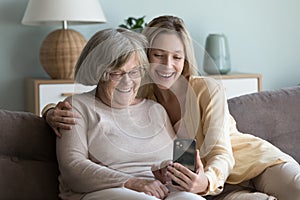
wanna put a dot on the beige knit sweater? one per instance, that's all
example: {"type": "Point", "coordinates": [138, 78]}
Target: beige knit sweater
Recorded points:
{"type": "Point", "coordinates": [108, 146]}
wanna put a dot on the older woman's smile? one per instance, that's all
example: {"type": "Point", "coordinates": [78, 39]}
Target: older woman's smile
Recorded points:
{"type": "Point", "coordinates": [121, 92]}
{"type": "Point", "coordinates": [124, 90]}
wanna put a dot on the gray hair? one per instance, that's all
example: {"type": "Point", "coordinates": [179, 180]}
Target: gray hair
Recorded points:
{"type": "Point", "coordinates": [109, 50]}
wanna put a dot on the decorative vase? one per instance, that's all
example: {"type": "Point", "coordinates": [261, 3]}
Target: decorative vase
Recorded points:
{"type": "Point", "coordinates": [217, 57]}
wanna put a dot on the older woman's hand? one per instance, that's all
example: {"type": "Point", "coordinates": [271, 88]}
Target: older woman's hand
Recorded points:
{"type": "Point", "coordinates": [150, 187]}
{"type": "Point", "coordinates": [160, 171]}
{"type": "Point", "coordinates": [188, 180]}
{"type": "Point", "coordinates": [61, 117]}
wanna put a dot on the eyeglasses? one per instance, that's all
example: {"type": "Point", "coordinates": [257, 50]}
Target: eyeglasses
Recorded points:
{"type": "Point", "coordinates": [133, 74]}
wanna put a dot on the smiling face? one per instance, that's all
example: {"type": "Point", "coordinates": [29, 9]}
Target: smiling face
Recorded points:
{"type": "Point", "coordinates": [166, 59]}
{"type": "Point", "coordinates": [121, 93]}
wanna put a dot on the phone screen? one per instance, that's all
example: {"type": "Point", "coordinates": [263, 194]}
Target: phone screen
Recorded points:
{"type": "Point", "coordinates": [184, 152]}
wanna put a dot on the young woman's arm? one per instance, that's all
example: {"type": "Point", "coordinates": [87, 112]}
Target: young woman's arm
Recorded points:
{"type": "Point", "coordinates": [214, 132]}
{"type": "Point", "coordinates": [59, 116]}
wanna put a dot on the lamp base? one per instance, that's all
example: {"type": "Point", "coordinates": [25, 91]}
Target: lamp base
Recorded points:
{"type": "Point", "coordinates": [59, 53]}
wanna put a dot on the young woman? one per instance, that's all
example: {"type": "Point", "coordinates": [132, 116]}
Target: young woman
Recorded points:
{"type": "Point", "coordinates": [197, 107]}
{"type": "Point", "coordinates": [110, 151]}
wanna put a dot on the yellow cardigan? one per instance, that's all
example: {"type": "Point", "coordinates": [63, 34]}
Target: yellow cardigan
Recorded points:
{"type": "Point", "coordinates": [227, 154]}
{"type": "Point", "coordinates": [252, 154]}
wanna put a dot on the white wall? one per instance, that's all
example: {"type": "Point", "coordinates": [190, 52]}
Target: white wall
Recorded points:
{"type": "Point", "coordinates": [263, 37]}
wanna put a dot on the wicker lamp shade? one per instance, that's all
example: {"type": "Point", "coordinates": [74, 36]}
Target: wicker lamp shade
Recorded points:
{"type": "Point", "coordinates": [59, 53]}
{"type": "Point", "coordinates": [61, 49]}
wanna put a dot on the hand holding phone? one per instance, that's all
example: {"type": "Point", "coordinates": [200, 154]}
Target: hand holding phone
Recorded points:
{"type": "Point", "coordinates": [184, 152]}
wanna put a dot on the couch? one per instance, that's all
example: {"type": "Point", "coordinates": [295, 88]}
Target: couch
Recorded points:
{"type": "Point", "coordinates": [28, 166]}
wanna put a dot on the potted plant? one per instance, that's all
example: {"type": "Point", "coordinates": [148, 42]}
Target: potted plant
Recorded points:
{"type": "Point", "coordinates": [135, 24]}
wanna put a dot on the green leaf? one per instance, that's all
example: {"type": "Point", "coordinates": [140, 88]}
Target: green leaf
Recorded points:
{"type": "Point", "coordinates": [134, 23]}
{"type": "Point", "coordinates": [130, 21]}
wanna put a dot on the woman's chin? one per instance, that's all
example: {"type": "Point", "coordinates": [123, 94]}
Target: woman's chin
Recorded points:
{"type": "Point", "coordinates": [163, 86]}
{"type": "Point", "coordinates": [121, 103]}
{"type": "Point", "coordinates": [122, 100]}
{"type": "Point", "coordinates": [164, 83]}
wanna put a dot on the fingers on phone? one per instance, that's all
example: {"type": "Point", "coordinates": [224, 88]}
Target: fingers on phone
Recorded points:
{"type": "Point", "coordinates": [174, 174]}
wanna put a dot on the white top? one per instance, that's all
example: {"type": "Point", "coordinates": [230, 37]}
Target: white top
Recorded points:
{"type": "Point", "coordinates": [108, 146]}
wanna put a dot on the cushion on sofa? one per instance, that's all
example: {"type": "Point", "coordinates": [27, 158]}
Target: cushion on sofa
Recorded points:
{"type": "Point", "coordinates": [28, 162]}
{"type": "Point", "coordinates": [272, 115]}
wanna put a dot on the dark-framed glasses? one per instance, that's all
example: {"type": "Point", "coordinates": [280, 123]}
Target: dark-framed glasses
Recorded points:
{"type": "Point", "coordinates": [133, 74]}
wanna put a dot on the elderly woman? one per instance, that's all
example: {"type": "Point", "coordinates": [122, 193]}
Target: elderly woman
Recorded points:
{"type": "Point", "coordinates": [108, 154]}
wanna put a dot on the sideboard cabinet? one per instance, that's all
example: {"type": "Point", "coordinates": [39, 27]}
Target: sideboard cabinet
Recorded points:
{"type": "Point", "coordinates": [40, 92]}
{"type": "Point", "coordinates": [237, 84]}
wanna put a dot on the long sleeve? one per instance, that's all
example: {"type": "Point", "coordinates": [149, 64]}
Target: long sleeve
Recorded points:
{"type": "Point", "coordinates": [108, 146]}
{"type": "Point", "coordinates": [209, 115]}
{"type": "Point", "coordinates": [77, 169]}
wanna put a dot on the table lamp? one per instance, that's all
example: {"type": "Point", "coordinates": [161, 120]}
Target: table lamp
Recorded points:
{"type": "Point", "coordinates": [61, 48]}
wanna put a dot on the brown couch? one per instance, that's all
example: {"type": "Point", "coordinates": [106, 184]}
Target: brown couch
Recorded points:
{"type": "Point", "coordinates": [28, 166]}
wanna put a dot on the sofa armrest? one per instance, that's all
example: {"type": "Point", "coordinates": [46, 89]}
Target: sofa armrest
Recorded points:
{"type": "Point", "coordinates": [28, 165]}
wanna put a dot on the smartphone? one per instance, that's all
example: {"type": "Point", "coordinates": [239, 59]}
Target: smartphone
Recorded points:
{"type": "Point", "coordinates": [184, 152]}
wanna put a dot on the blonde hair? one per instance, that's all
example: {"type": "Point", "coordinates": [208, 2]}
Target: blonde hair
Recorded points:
{"type": "Point", "coordinates": [109, 50]}
{"type": "Point", "coordinates": [167, 24]}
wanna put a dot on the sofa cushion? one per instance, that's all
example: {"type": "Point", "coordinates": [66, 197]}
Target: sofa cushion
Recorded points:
{"type": "Point", "coordinates": [28, 162]}
{"type": "Point", "coordinates": [272, 115]}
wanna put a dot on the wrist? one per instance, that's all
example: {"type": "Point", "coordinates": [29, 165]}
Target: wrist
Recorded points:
{"type": "Point", "coordinates": [46, 109]}
{"type": "Point", "coordinates": [128, 183]}
{"type": "Point", "coordinates": [206, 190]}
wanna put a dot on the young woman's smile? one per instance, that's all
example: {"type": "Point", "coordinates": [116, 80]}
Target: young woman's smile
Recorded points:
{"type": "Point", "coordinates": [166, 59]}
